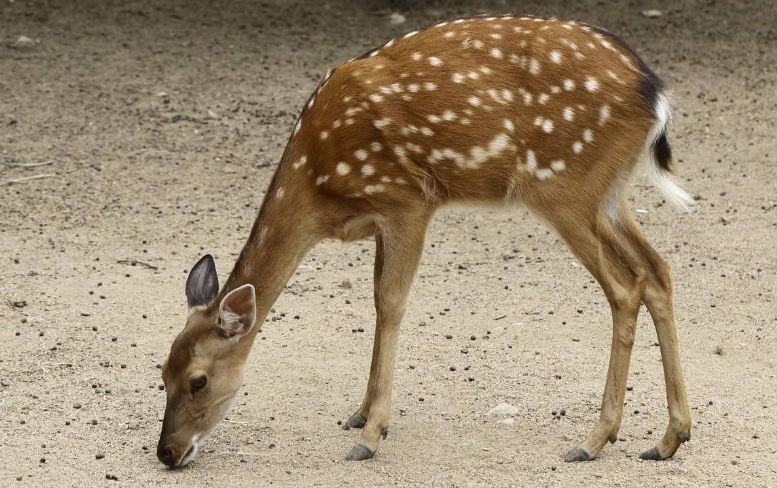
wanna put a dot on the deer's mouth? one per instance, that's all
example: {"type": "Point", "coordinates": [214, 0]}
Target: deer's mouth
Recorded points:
{"type": "Point", "coordinates": [190, 455]}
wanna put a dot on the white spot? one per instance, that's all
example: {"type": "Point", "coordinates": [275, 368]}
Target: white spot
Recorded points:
{"type": "Point", "coordinates": [346, 99]}
{"type": "Point", "coordinates": [496, 53]}
{"type": "Point", "coordinates": [352, 111]}
{"type": "Point", "coordinates": [279, 193]}
{"type": "Point", "coordinates": [385, 179]}
{"type": "Point", "coordinates": [376, 98]}
{"type": "Point", "coordinates": [427, 131]}
{"type": "Point", "coordinates": [449, 34]}
{"type": "Point", "coordinates": [507, 95]}
{"type": "Point", "coordinates": [555, 56]}
{"type": "Point", "coordinates": [337, 123]}
{"type": "Point", "coordinates": [473, 100]}
{"type": "Point", "coordinates": [370, 189]}
{"type": "Point", "coordinates": [430, 86]}
{"type": "Point", "coordinates": [558, 165]}
{"type": "Point", "coordinates": [496, 36]}
{"type": "Point", "coordinates": [588, 136]}
{"type": "Point", "coordinates": [368, 170]}
{"type": "Point", "coordinates": [458, 77]}
{"type": "Point", "coordinates": [569, 85]}
{"type": "Point", "coordinates": [554, 89]}
{"type": "Point", "coordinates": [478, 44]}
{"type": "Point", "coordinates": [300, 162]}
{"type": "Point", "coordinates": [321, 180]}
{"type": "Point", "coordinates": [323, 135]}
{"type": "Point", "coordinates": [349, 121]}
{"type": "Point", "coordinates": [343, 169]}
{"type": "Point", "coordinates": [534, 66]}
{"type": "Point", "coordinates": [433, 118]}
{"type": "Point", "coordinates": [509, 125]}
{"type": "Point", "coordinates": [604, 114]}
{"type": "Point", "coordinates": [473, 75]}
{"type": "Point", "coordinates": [577, 147]}
{"type": "Point", "coordinates": [297, 126]}
{"type": "Point", "coordinates": [531, 161]}
{"type": "Point", "coordinates": [435, 61]}
{"type": "Point", "coordinates": [396, 87]}
{"type": "Point", "coordinates": [412, 87]}
{"type": "Point", "coordinates": [389, 44]}
{"type": "Point", "coordinates": [410, 34]}
{"type": "Point", "coordinates": [361, 154]}
{"type": "Point", "coordinates": [543, 98]}
{"type": "Point", "coordinates": [376, 146]}
{"type": "Point", "coordinates": [400, 181]}
{"type": "Point", "coordinates": [591, 84]}
{"type": "Point", "coordinates": [464, 121]}
{"type": "Point", "coordinates": [569, 114]}
{"type": "Point", "coordinates": [381, 122]}
{"type": "Point", "coordinates": [407, 98]}
{"type": "Point", "coordinates": [416, 56]}
{"type": "Point", "coordinates": [310, 102]}
{"type": "Point", "coordinates": [485, 70]}
{"type": "Point", "coordinates": [543, 173]}
{"type": "Point", "coordinates": [448, 115]}
{"type": "Point", "coordinates": [414, 147]}
{"type": "Point", "coordinates": [606, 44]}
{"type": "Point", "coordinates": [547, 126]}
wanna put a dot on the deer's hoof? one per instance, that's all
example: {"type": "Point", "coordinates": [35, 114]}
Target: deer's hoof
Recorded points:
{"type": "Point", "coordinates": [653, 455]}
{"type": "Point", "coordinates": [578, 454]}
{"type": "Point", "coordinates": [359, 452]}
{"type": "Point", "coordinates": [357, 421]}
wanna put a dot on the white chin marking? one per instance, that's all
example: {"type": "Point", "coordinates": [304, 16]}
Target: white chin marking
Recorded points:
{"type": "Point", "coordinates": [192, 453]}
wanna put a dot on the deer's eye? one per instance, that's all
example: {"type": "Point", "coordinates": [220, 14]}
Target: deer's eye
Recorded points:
{"type": "Point", "coordinates": [199, 382]}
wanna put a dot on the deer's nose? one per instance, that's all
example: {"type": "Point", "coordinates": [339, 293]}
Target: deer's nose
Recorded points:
{"type": "Point", "coordinates": [165, 455]}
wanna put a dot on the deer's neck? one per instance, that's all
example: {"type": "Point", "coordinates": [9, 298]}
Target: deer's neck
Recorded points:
{"type": "Point", "coordinates": [281, 237]}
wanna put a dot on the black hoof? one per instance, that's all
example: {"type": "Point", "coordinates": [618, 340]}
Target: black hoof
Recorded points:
{"type": "Point", "coordinates": [684, 436]}
{"type": "Point", "coordinates": [359, 453]}
{"type": "Point", "coordinates": [357, 421]}
{"type": "Point", "coordinates": [652, 455]}
{"type": "Point", "coordinates": [578, 454]}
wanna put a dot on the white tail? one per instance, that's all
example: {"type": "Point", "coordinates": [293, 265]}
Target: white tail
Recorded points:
{"type": "Point", "coordinates": [551, 114]}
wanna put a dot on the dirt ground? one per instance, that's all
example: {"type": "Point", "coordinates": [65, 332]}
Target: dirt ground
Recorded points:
{"type": "Point", "coordinates": [161, 179]}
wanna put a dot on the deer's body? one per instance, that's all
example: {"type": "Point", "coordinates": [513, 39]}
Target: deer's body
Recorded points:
{"type": "Point", "coordinates": [550, 114]}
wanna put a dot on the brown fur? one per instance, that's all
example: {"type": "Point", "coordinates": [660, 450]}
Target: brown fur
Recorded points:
{"type": "Point", "coordinates": [377, 151]}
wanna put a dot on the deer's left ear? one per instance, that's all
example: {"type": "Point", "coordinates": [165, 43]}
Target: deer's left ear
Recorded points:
{"type": "Point", "coordinates": [237, 312]}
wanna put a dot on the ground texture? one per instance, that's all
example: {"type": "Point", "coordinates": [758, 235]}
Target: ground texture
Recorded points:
{"type": "Point", "coordinates": [162, 125]}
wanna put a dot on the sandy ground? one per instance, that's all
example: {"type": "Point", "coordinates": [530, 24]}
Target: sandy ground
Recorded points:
{"type": "Point", "coordinates": [163, 179]}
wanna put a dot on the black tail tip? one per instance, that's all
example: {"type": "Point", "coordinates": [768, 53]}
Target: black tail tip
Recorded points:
{"type": "Point", "coordinates": [663, 152]}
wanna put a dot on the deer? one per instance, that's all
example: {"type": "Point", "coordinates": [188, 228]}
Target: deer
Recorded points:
{"type": "Point", "coordinates": [550, 115]}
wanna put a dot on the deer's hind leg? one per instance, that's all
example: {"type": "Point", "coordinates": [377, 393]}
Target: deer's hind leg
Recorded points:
{"type": "Point", "coordinates": [658, 300]}
{"type": "Point", "coordinates": [592, 238]}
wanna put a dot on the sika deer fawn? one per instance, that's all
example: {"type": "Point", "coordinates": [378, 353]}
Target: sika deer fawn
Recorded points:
{"type": "Point", "coordinates": [553, 115]}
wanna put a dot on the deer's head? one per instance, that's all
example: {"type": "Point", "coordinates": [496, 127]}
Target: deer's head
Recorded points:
{"type": "Point", "coordinates": [204, 370]}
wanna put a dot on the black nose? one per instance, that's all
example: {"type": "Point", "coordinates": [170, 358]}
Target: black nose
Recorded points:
{"type": "Point", "coordinates": [165, 456]}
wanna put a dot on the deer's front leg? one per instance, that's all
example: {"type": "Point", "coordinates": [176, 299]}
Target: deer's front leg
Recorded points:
{"type": "Point", "coordinates": [399, 248]}
{"type": "Point", "coordinates": [359, 419]}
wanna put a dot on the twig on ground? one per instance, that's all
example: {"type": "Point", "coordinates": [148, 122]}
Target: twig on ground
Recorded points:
{"type": "Point", "coordinates": [135, 262]}
{"type": "Point", "coordinates": [28, 178]}
{"type": "Point", "coordinates": [29, 165]}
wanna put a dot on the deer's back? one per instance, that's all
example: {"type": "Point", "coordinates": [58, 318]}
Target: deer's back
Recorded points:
{"type": "Point", "coordinates": [489, 109]}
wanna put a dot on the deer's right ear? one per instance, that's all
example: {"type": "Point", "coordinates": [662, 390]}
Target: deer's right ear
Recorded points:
{"type": "Point", "coordinates": [202, 285]}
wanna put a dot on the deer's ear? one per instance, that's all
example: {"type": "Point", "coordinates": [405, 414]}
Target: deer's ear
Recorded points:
{"type": "Point", "coordinates": [237, 312]}
{"type": "Point", "coordinates": [202, 285]}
